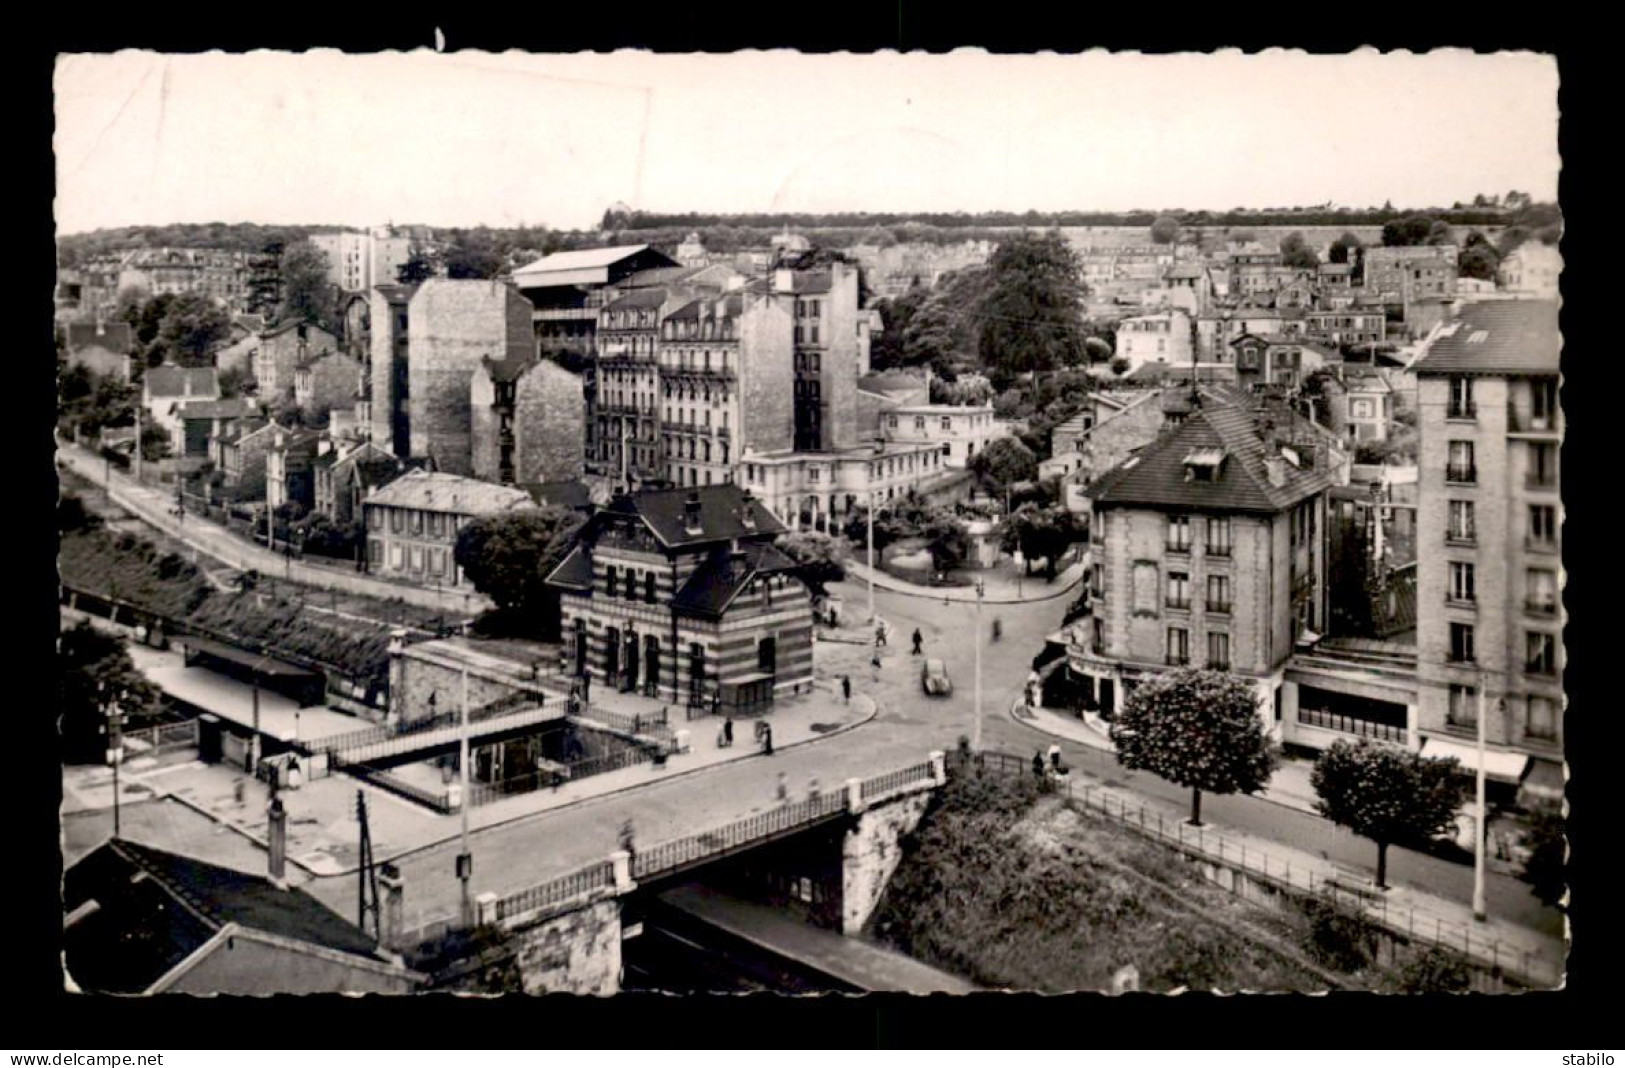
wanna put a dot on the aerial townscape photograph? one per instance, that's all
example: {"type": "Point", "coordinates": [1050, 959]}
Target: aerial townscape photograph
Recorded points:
{"type": "Point", "coordinates": [608, 523]}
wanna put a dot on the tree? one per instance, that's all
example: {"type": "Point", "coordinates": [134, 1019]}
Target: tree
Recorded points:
{"type": "Point", "coordinates": [1478, 258]}
{"type": "Point", "coordinates": [154, 443]}
{"type": "Point", "coordinates": [146, 319]}
{"type": "Point", "coordinates": [820, 559]}
{"type": "Point", "coordinates": [1097, 349]}
{"type": "Point", "coordinates": [419, 266]}
{"type": "Point", "coordinates": [1440, 234]}
{"type": "Point", "coordinates": [1296, 253]}
{"type": "Point", "coordinates": [1032, 316]}
{"type": "Point", "coordinates": [1165, 230]}
{"type": "Point", "coordinates": [1383, 793]}
{"type": "Point", "coordinates": [473, 254]}
{"type": "Point", "coordinates": [307, 293]}
{"type": "Point", "coordinates": [265, 280]}
{"type": "Point", "coordinates": [1004, 462]}
{"type": "Point", "coordinates": [235, 381]}
{"type": "Point", "coordinates": [508, 556]}
{"type": "Point", "coordinates": [945, 539]}
{"type": "Point", "coordinates": [1040, 531]}
{"type": "Point", "coordinates": [1120, 365]}
{"type": "Point", "coordinates": [1196, 728]}
{"type": "Point", "coordinates": [192, 327]}
{"type": "Point", "coordinates": [1545, 838]}
{"type": "Point", "coordinates": [1344, 248]}
{"type": "Point", "coordinates": [91, 668]}
{"type": "Point", "coordinates": [1412, 230]}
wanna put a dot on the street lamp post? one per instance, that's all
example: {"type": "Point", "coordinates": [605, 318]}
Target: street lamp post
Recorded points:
{"type": "Point", "coordinates": [114, 705]}
{"type": "Point", "coordinates": [1481, 813]}
{"type": "Point", "coordinates": [465, 859]}
{"type": "Point", "coordinates": [871, 536]}
{"type": "Point", "coordinates": [976, 724]}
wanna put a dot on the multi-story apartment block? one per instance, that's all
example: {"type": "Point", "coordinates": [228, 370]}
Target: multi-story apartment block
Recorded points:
{"type": "Point", "coordinates": [358, 260]}
{"type": "Point", "coordinates": [1206, 550]}
{"type": "Point", "coordinates": [1165, 337]}
{"type": "Point", "coordinates": [413, 522]}
{"type": "Point", "coordinates": [1489, 607]}
{"type": "Point", "coordinates": [427, 344]}
{"type": "Point", "coordinates": [680, 594]}
{"type": "Point", "coordinates": [960, 431]}
{"type": "Point", "coordinates": [1348, 325]}
{"type": "Point", "coordinates": [1257, 272]}
{"type": "Point", "coordinates": [1533, 269]}
{"type": "Point", "coordinates": [282, 350]}
{"type": "Point", "coordinates": [219, 274]}
{"type": "Point", "coordinates": [529, 420]}
{"type": "Point", "coordinates": [821, 490]}
{"type": "Point", "coordinates": [1402, 274]}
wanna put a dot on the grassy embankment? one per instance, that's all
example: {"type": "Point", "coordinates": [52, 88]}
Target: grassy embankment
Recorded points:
{"type": "Point", "coordinates": [1017, 889]}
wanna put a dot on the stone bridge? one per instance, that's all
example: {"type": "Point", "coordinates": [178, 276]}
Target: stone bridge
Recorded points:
{"type": "Point", "coordinates": [830, 853]}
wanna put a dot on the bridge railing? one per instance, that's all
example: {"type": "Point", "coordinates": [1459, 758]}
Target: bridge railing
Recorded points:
{"type": "Point", "coordinates": [596, 876]}
{"type": "Point", "coordinates": [668, 856]}
{"type": "Point", "coordinates": [904, 778]}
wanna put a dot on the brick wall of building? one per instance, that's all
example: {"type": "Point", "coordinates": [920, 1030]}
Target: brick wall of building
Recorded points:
{"type": "Point", "coordinates": [840, 311]}
{"type": "Point", "coordinates": [334, 380]}
{"type": "Point", "coordinates": [389, 333]}
{"type": "Point", "coordinates": [454, 323]}
{"type": "Point", "coordinates": [766, 373]}
{"type": "Point", "coordinates": [550, 424]}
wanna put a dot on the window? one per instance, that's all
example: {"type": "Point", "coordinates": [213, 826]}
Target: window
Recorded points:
{"type": "Point", "coordinates": [1542, 465]}
{"type": "Point", "coordinates": [1541, 595]}
{"type": "Point", "coordinates": [1461, 582]}
{"type": "Point", "coordinates": [1461, 522]}
{"type": "Point", "coordinates": [1179, 534]}
{"type": "Point", "coordinates": [947, 422]}
{"type": "Point", "coordinates": [1542, 526]}
{"type": "Point", "coordinates": [649, 586]}
{"type": "Point", "coordinates": [812, 334]}
{"type": "Point", "coordinates": [631, 585]}
{"type": "Point", "coordinates": [1218, 593]}
{"type": "Point", "coordinates": [1463, 711]}
{"type": "Point", "coordinates": [1543, 403]}
{"type": "Point", "coordinates": [1461, 643]}
{"type": "Point", "coordinates": [1097, 580]}
{"type": "Point", "coordinates": [1179, 646]}
{"type": "Point", "coordinates": [417, 522]}
{"type": "Point", "coordinates": [1218, 651]}
{"type": "Point", "coordinates": [1218, 536]}
{"type": "Point", "coordinates": [417, 558]}
{"type": "Point", "coordinates": [1460, 467]}
{"type": "Point", "coordinates": [812, 308]}
{"type": "Point", "coordinates": [1097, 635]}
{"type": "Point", "coordinates": [609, 579]}
{"type": "Point", "coordinates": [1461, 399]}
{"type": "Point", "coordinates": [1541, 650]}
{"type": "Point", "coordinates": [767, 656]}
{"type": "Point", "coordinates": [396, 521]}
{"type": "Point", "coordinates": [1179, 589]}
{"type": "Point", "coordinates": [919, 422]}
{"type": "Point", "coordinates": [1542, 718]}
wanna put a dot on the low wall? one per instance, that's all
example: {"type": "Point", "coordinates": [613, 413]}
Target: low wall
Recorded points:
{"type": "Point", "coordinates": [870, 854]}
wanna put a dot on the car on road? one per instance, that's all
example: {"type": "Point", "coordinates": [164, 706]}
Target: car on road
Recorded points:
{"type": "Point", "coordinates": [934, 679]}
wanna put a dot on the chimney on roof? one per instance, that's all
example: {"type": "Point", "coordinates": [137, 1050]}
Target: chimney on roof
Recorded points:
{"type": "Point", "coordinates": [691, 513]}
{"type": "Point", "coordinates": [1275, 468]}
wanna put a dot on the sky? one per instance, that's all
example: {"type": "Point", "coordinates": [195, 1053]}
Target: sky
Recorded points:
{"type": "Point", "coordinates": [463, 138]}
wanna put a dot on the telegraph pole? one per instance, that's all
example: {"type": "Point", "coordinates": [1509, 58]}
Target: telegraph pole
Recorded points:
{"type": "Point", "coordinates": [1482, 812]}
{"type": "Point", "coordinates": [465, 859]}
{"type": "Point", "coordinates": [871, 536]}
{"type": "Point", "coordinates": [976, 724]}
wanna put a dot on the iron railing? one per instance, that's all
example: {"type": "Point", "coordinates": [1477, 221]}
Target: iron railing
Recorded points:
{"type": "Point", "coordinates": [1364, 728]}
{"type": "Point", "coordinates": [881, 785]}
{"type": "Point", "coordinates": [599, 875]}
{"type": "Point", "coordinates": [669, 856]}
{"type": "Point", "coordinates": [1530, 968]}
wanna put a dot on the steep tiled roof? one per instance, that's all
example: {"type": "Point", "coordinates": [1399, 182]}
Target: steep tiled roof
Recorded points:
{"type": "Point", "coordinates": [565, 493]}
{"type": "Point", "coordinates": [152, 910]}
{"type": "Point", "coordinates": [647, 297]}
{"type": "Point", "coordinates": [721, 511]}
{"type": "Point", "coordinates": [714, 584]}
{"type": "Point", "coordinates": [438, 492]}
{"type": "Point", "coordinates": [574, 572]}
{"type": "Point", "coordinates": [1156, 477]}
{"type": "Point", "coordinates": [112, 336]}
{"type": "Point", "coordinates": [707, 308]}
{"type": "Point", "coordinates": [1497, 337]}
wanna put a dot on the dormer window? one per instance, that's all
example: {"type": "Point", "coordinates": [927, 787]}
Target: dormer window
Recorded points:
{"type": "Point", "coordinates": [1203, 465]}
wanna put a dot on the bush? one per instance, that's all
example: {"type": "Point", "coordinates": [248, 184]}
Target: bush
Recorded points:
{"type": "Point", "coordinates": [1434, 971]}
{"type": "Point", "coordinates": [1336, 939]}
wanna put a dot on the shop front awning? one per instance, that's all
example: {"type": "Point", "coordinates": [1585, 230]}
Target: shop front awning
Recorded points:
{"type": "Point", "coordinates": [1499, 764]}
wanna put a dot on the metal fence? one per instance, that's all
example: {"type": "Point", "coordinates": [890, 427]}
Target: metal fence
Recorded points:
{"type": "Point", "coordinates": [597, 876]}
{"type": "Point", "coordinates": [891, 781]}
{"type": "Point", "coordinates": [655, 726]}
{"type": "Point", "coordinates": [384, 780]}
{"type": "Point", "coordinates": [165, 736]}
{"type": "Point", "coordinates": [1349, 893]}
{"type": "Point", "coordinates": [1364, 728]}
{"type": "Point", "coordinates": [680, 852]}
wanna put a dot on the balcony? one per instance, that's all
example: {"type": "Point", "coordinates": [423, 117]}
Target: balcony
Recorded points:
{"type": "Point", "coordinates": [1460, 537]}
{"type": "Point", "coordinates": [1362, 728]}
{"type": "Point", "coordinates": [1540, 480]}
{"type": "Point", "coordinates": [1180, 548]}
{"type": "Point", "coordinates": [1535, 544]}
{"type": "Point", "coordinates": [1222, 551]}
{"type": "Point", "coordinates": [1540, 608]}
{"type": "Point", "coordinates": [1179, 605]}
{"type": "Point", "coordinates": [1462, 411]}
{"type": "Point", "coordinates": [1461, 474]}
{"type": "Point", "coordinates": [1542, 423]}
{"type": "Point", "coordinates": [1218, 608]}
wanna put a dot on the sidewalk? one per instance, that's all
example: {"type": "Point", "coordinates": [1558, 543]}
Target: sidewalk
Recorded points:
{"type": "Point", "coordinates": [1004, 584]}
{"type": "Point", "coordinates": [323, 833]}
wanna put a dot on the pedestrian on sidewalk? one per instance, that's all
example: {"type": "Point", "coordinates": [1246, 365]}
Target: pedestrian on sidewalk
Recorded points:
{"type": "Point", "coordinates": [1038, 763]}
{"type": "Point", "coordinates": [767, 739]}
{"type": "Point", "coordinates": [728, 731]}
{"type": "Point", "coordinates": [917, 641]}
{"type": "Point", "coordinates": [846, 689]}
{"type": "Point", "coordinates": [784, 788]}
{"type": "Point", "coordinates": [880, 634]}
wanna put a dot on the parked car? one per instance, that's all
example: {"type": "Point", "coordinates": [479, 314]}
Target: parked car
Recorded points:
{"type": "Point", "coordinates": [934, 679]}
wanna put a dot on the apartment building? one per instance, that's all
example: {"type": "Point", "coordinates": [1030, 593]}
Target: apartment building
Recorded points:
{"type": "Point", "coordinates": [1489, 604]}
{"type": "Point", "coordinates": [528, 421]}
{"type": "Point", "coordinates": [413, 522]}
{"type": "Point", "coordinates": [567, 290]}
{"type": "Point", "coordinates": [358, 260]}
{"type": "Point", "coordinates": [1165, 337]}
{"type": "Point", "coordinates": [960, 431]}
{"type": "Point", "coordinates": [1206, 549]}
{"type": "Point", "coordinates": [1400, 275]}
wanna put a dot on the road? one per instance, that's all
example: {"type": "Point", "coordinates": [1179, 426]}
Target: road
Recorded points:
{"type": "Point", "coordinates": [155, 508]}
{"type": "Point", "coordinates": [536, 848]}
